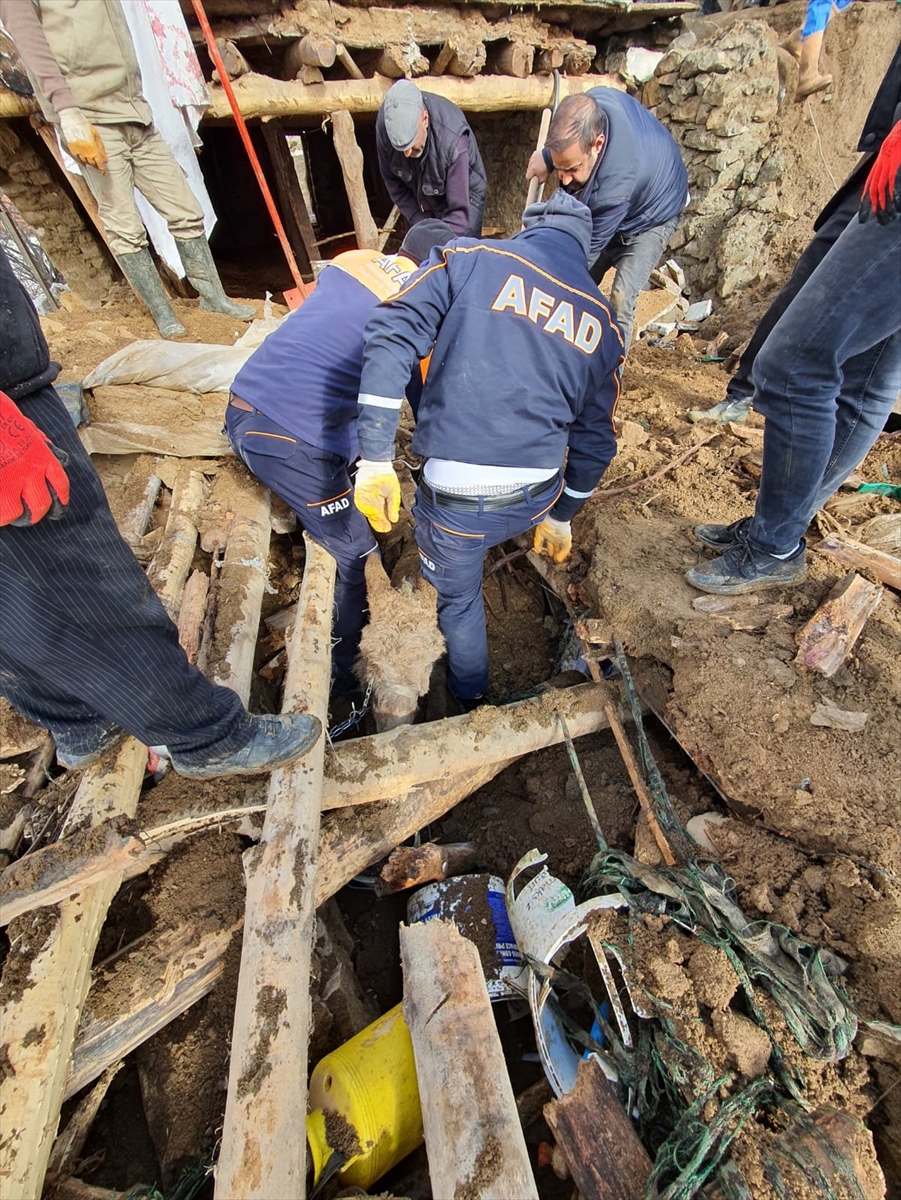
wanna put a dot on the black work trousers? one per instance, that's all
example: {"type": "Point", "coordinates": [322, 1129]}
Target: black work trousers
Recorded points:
{"type": "Point", "coordinates": [84, 641]}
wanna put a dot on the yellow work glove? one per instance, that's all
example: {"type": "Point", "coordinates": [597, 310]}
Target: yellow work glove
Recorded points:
{"type": "Point", "coordinates": [82, 139]}
{"type": "Point", "coordinates": [377, 494]}
{"type": "Point", "coordinates": [553, 539]}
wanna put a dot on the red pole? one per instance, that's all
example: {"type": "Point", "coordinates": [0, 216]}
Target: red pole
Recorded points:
{"type": "Point", "coordinates": [251, 153]}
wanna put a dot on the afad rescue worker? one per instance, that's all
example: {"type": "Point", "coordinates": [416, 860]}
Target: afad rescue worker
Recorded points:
{"type": "Point", "coordinates": [525, 366]}
{"type": "Point", "coordinates": [82, 64]}
{"type": "Point", "coordinates": [429, 159]}
{"type": "Point", "coordinates": [292, 416]}
{"type": "Point", "coordinates": [617, 158]}
{"type": "Point", "coordinates": [87, 649]}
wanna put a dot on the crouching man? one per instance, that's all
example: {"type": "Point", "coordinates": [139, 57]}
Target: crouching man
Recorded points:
{"type": "Point", "coordinates": [292, 417]}
{"type": "Point", "coordinates": [523, 368]}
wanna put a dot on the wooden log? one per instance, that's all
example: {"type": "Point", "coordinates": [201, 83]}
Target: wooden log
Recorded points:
{"type": "Point", "coordinates": [156, 982]}
{"type": "Point", "coordinates": [395, 60]}
{"type": "Point", "coordinates": [262, 1156]}
{"type": "Point", "coordinates": [242, 581]}
{"type": "Point", "coordinates": [351, 159]}
{"type": "Point", "coordinates": [308, 75]}
{"type": "Point", "coordinates": [473, 1135]}
{"type": "Point", "coordinates": [579, 60]}
{"type": "Point", "coordinates": [233, 60]}
{"type": "Point", "coordinates": [39, 1023]}
{"type": "Point", "coordinates": [829, 636]}
{"type": "Point", "coordinates": [134, 524]}
{"type": "Point", "coordinates": [886, 567]}
{"type": "Point", "coordinates": [388, 228]}
{"type": "Point", "coordinates": [461, 56]}
{"type": "Point", "coordinates": [312, 50]}
{"type": "Point", "coordinates": [602, 1150]}
{"type": "Point", "coordinates": [298, 226]}
{"type": "Point", "coordinates": [260, 96]}
{"type": "Point", "coordinates": [514, 58]}
{"type": "Point", "coordinates": [409, 866]}
{"type": "Point", "coordinates": [48, 876]}
{"type": "Point", "coordinates": [548, 60]}
{"type": "Point", "coordinates": [68, 1146]}
{"type": "Point", "coordinates": [168, 571]}
{"type": "Point", "coordinates": [365, 770]}
{"type": "Point", "coordinates": [346, 60]}
{"type": "Point", "coordinates": [192, 612]}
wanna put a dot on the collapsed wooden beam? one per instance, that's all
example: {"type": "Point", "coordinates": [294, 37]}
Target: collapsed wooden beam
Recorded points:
{"type": "Point", "coordinates": [169, 568]}
{"type": "Point", "coordinates": [602, 1150]}
{"type": "Point", "coordinates": [351, 158]}
{"type": "Point", "coordinates": [260, 96]}
{"type": "Point", "coordinates": [829, 636]}
{"type": "Point", "coordinates": [262, 1155]}
{"type": "Point", "coordinates": [362, 771]}
{"type": "Point", "coordinates": [886, 567]}
{"type": "Point", "coordinates": [473, 1134]}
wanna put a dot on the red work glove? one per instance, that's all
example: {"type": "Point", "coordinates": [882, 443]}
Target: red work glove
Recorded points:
{"type": "Point", "coordinates": [882, 190]}
{"type": "Point", "coordinates": [32, 481]}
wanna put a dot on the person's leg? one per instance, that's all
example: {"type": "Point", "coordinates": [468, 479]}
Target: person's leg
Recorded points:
{"type": "Point", "coordinates": [809, 78]}
{"type": "Point", "coordinates": [634, 260]}
{"type": "Point", "coordinates": [740, 386]}
{"type": "Point", "coordinates": [825, 380]}
{"type": "Point", "coordinates": [452, 548]}
{"type": "Point", "coordinates": [78, 731]}
{"type": "Point", "coordinates": [317, 487]}
{"type": "Point", "coordinates": [77, 612]}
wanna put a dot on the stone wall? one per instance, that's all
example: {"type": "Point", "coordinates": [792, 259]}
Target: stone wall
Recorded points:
{"type": "Point", "coordinates": [719, 96]}
{"type": "Point", "coordinates": [64, 232]}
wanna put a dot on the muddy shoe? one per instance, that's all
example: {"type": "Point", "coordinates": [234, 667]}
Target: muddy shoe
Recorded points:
{"type": "Point", "coordinates": [722, 537]}
{"type": "Point", "coordinates": [810, 87]}
{"type": "Point", "coordinates": [276, 741]}
{"type": "Point", "coordinates": [742, 569]}
{"type": "Point", "coordinates": [736, 411]}
{"type": "Point", "coordinates": [90, 749]}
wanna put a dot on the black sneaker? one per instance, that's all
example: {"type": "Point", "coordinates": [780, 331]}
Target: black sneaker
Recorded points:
{"type": "Point", "coordinates": [721, 537]}
{"type": "Point", "coordinates": [276, 741]}
{"type": "Point", "coordinates": [743, 569]}
{"type": "Point", "coordinates": [73, 758]}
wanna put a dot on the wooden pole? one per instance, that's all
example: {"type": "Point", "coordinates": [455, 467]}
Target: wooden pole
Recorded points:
{"type": "Point", "coordinates": [243, 574]}
{"type": "Point", "coordinates": [886, 567]}
{"type": "Point", "coordinates": [297, 220]}
{"type": "Point", "coordinates": [260, 96]}
{"type": "Point", "coordinates": [641, 788]}
{"type": "Point", "coordinates": [263, 1144]}
{"type": "Point", "coordinates": [829, 636]}
{"type": "Point", "coordinates": [169, 568]}
{"type": "Point", "coordinates": [351, 159]}
{"type": "Point", "coordinates": [602, 1150]}
{"type": "Point", "coordinates": [535, 185]}
{"type": "Point", "coordinates": [473, 1135]}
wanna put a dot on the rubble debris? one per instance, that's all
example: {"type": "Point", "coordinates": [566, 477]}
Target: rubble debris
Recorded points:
{"type": "Point", "coordinates": [829, 636]}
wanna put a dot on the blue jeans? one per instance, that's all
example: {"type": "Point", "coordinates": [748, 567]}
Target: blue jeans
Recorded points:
{"type": "Point", "coordinates": [826, 379]}
{"type": "Point", "coordinates": [317, 486]}
{"type": "Point", "coordinates": [634, 258]}
{"type": "Point", "coordinates": [452, 548]}
{"type": "Point", "coordinates": [740, 386]}
{"type": "Point", "coordinates": [85, 643]}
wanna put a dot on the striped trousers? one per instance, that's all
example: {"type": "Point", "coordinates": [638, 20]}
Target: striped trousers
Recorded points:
{"type": "Point", "coordinates": [84, 641]}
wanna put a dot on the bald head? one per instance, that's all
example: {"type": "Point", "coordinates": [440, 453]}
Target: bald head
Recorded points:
{"type": "Point", "coordinates": [577, 119]}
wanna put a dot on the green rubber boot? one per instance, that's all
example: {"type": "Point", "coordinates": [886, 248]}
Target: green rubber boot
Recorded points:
{"type": "Point", "coordinates": [139, 270]}
{"type": "Point", "coordinates": [201, 271]}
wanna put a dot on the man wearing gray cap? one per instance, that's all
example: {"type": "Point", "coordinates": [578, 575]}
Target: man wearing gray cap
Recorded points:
{"type": "Point", "coordinates": [429, 159]}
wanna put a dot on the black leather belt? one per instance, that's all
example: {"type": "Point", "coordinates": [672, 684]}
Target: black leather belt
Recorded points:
{"type": "Point", "coordinates": [487, 503]}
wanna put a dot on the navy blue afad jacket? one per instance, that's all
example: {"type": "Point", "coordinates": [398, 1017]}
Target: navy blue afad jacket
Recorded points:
{"type": "Point", "coordinates": [306, 374]}
{"type": "Point", "coordinates": [525, 359]}
{"type": "Point", "coordinates": [641, 181]}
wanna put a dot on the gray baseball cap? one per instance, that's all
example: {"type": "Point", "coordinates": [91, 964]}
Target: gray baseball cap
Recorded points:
{"type": "Point", "coordinates": [402, 108]}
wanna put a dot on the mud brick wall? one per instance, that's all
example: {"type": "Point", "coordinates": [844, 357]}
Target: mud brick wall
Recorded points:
{"type": "Point", "coordinates": [65, 234]}
{"type": "Point", "coordinates": [505, 143]}
{"type": "Point", "coordinates": [719, 97]}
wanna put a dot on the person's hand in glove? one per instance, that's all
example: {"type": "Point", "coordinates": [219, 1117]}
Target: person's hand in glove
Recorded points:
{"type": "Point", "coordinates": [882, 190]}
{"type": "Point", "coordinates": [377, 494]}
{"type": "Point", "coordinates": [32, 480]}
{"type": "Point", "coordinates": [82, 139]}
{"type": "Point", "coordinates": [553, 539]}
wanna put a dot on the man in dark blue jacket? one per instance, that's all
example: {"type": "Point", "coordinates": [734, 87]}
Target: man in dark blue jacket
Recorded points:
{"type": "Point", "coordinates": [525, 366]}
{"type": "Point", "coordinates": [429, 159]}
{"type": "Point", "coordinates": [292, 416]}
{"type": "Point", "coordinates": [619, 160]}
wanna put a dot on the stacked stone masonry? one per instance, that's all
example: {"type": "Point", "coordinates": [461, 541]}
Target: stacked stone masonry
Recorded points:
{"type": "Point", "coordinates": [45, 204]}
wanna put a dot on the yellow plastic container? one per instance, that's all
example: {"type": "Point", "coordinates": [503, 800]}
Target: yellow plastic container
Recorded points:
{"type": "Point", "coordinates": [364, 1102]}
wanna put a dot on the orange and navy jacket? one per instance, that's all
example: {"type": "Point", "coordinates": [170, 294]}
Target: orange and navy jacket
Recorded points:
{"type": "Point", "coordinates": [306, 374]}
{"type": "Point", "coordinates": [526, 356]}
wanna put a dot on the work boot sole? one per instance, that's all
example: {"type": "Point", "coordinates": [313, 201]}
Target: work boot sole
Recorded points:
{"type": "Point", "coordinates": [740, 587]}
